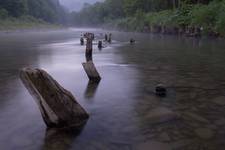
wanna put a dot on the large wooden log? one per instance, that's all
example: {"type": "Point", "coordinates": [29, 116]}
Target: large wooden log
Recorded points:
{"type": "Point", "coordinates": [91, 71]}
{"type": "Point", "coordinates": [58, 107]}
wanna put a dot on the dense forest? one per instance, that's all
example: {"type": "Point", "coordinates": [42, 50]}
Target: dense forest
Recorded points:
{"type": "Point", "coordinates": [207, 16]}
{"type": "Point", "coordinates": [31, 12]}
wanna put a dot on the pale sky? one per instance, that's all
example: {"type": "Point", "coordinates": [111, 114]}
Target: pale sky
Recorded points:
{"type": "Point", "coordinates": [76, 5]}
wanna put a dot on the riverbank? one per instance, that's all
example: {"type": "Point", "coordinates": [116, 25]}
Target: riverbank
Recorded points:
{"type": "Point", "coordinates": [26, 23]}
{"type": "Point", "coordinates": [190, 20]}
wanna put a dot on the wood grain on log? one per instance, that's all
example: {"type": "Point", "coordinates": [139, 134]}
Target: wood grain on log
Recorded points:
{"type": "Point", "coordinates": [58, 107]}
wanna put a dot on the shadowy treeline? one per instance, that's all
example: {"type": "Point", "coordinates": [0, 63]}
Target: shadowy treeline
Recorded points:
{"type": "Point", "coordinates": [45, 10]}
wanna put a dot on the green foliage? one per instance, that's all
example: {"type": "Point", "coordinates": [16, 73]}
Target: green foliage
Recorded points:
{"type": "Point", "coordinates": [160, 18]}
{"type": "Point", "coordinates": [210, 17]}
{"type": "Point", "coordinates": [15, 8]}
{"type": "Point", "coordinates": [204, 15]}
{"type": "Point", "coordinates": [47, 10]}
{"type": "Point", "coordinates": [3, 13]}
{"type": "Point", "coordinates": [220, 21]}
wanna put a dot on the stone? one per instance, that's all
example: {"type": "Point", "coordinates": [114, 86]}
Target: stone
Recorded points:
{"type": "Point", "coordinates": [59, 108]}
{"type": "Point", "coordinates": [219, 100]}
{"type": "Point", "coordinates": [164, 137]}
{"type": "Point", "coordinates": [160, 115]}
{"type": "Point", "coordinates": [160, 90]}
{"type": "Point", "coordinates": [196, 117]}
{"type": "Point", "coordinates": [204, 133]}
{"type": "Point", "coordinates": [132, 41]}
{"type": "Point", "coordinates": [152, 145]}
{"type": "Point", "coordinates": [220, 122]}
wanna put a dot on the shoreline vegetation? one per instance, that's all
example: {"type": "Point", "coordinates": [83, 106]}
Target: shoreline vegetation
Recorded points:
{"type": "Point", "coordinates": [31, 14]}
{"type": "Point", "coordinates": [17, 24]}
{"type": "Point", "coordinates": [194, 19]}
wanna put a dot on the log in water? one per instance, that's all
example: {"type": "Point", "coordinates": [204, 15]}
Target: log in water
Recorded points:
{"type": "Point", "coordinates": [58, 106]}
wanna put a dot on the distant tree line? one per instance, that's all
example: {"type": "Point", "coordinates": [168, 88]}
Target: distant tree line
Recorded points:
{"type": "Point", "coordinates": [101, 12]}
{"type": "Point", "coordinates": [47, 10]}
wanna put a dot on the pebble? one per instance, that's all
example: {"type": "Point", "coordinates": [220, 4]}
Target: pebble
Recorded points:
{"type": "Point", "coordinates": [160, 115]}
{"type": "Point", "coordinates": [219, 100]}
{"type": "Point", "coordinates": [154, 145]}
{"type": "Point", "coordinates": [204, 133]}
{"type": "Point", "coordinates": [196, 117]}
{"type": "Point", "coordinates": [160, 90]}
{"type": "Point", "coordinates": [164, 137]}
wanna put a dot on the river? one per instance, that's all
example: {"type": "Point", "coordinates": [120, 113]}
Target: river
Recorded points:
{"type": "Point", "coordinates": [125, 113]}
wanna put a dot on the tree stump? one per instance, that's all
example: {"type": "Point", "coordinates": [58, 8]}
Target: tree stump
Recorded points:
{"type": "Point", "coordinates": [89, 47]}
{"type": "Point", "coordinates": [91, 71]}
{"type": "Point", "coordinates": [58, 107]}
{"type": "Point", "coordinates": [110, 38]}
{"type": "Point", "coordinates": [106, 37]}
{"type": "Point", "coordinates": [81, 41]}
{"type": "Point", "coordinates": [100, 45]}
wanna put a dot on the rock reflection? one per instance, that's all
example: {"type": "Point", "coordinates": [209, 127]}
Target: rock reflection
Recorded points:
{"type": "Point", "coordinates": [91, 89]}
{"type": "Point", "coordinates": [60, 139]}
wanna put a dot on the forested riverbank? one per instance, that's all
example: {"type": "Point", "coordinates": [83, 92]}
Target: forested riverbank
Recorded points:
{"type": "Point", "coordinates": [187, 17]}
{"type": "Point", "coordinates": [31, 14]}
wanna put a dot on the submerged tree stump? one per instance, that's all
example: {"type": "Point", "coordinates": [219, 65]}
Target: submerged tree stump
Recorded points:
{"type": "Point", "coordinates": [58, 107]}
{"type": "Point", "coordinates": [89, 48]}
{"type": "Point", "coordinates": [91, 71]}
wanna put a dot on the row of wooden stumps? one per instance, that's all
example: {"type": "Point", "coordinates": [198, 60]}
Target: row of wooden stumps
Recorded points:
{"type": "Point", "coordinates": [107, 38]}
{"type": "Point", "coordinates": [58, 107]}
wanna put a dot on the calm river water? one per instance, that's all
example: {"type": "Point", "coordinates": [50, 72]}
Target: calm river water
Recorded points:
{"type": "Point", "coordinates": [124, 112]}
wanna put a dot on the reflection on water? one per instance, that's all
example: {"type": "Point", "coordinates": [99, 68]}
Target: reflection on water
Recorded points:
{"type": "Point", "coordinates": [59, 139]}
{"type": "Point", "coordinates": [124, 111]}
{"type": "Point", "coordinates": [91, 89]}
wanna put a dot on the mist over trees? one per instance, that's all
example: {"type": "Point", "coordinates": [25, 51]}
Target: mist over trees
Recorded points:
{"type": "Point", "coordinates": [47, 10]}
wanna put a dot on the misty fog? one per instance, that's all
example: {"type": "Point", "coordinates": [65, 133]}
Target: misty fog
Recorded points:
{"type": "Point", "coordinates": [76, 5]}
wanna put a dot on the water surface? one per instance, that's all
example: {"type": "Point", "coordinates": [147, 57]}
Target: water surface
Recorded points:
{"type": "Point", "coordinates": [123, 104]}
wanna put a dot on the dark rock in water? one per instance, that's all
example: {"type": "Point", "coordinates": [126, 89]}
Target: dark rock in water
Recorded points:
{"type": "Point", "coordinates": [160, 90]}
{"type": "Point", "coordinates": [58, 106]}
{"type": "Point", "coordinates": [132, 41]}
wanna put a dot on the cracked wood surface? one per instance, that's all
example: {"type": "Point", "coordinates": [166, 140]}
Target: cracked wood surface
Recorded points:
{"type": "Point", "coordinates": [58, 106]}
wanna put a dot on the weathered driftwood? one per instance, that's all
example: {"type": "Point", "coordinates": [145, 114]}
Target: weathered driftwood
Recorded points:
{"type": "Point", "coordinates": [58, 107]}
{"type": "Point", "coordinates": [91, 71]}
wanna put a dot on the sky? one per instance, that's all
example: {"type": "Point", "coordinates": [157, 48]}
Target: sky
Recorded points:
{"type": "Point", "coordinates": [76, 5]}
